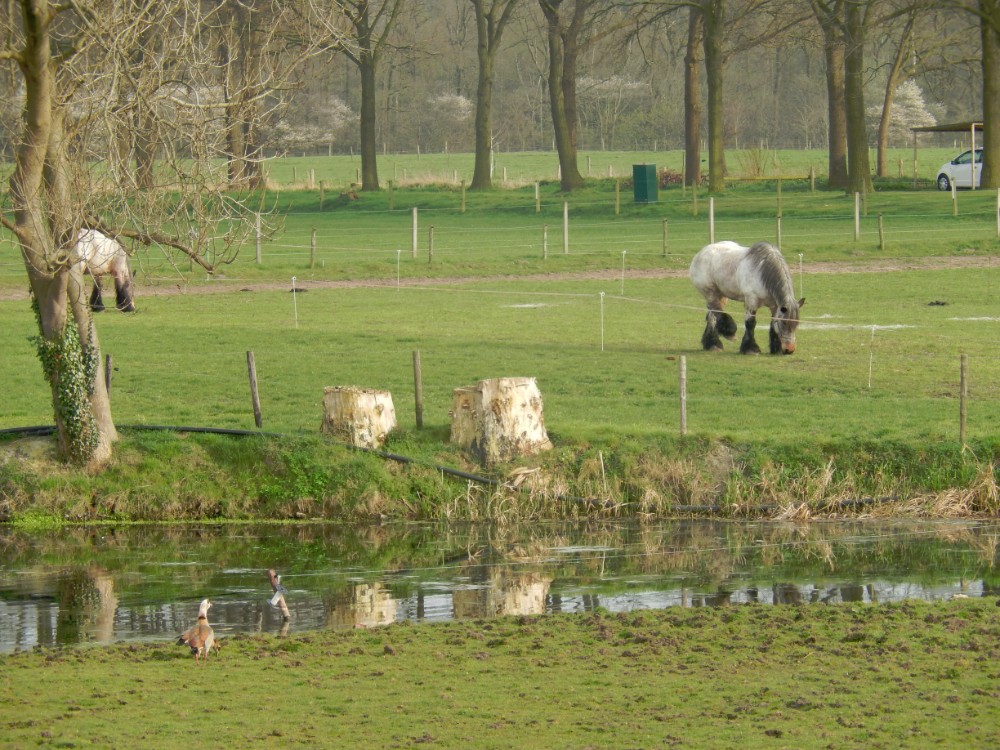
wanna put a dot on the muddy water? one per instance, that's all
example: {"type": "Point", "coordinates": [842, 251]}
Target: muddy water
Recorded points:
{"type": "Point", "coordinates": [108, 584]}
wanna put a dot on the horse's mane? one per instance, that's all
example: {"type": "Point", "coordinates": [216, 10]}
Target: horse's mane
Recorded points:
{"type": "Point", "coordinates": [774, 273]}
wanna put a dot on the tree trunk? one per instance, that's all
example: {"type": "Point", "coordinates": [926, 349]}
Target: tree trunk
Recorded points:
{"type": "Point", "coordinates": [893, 80]}
{"type": "Point", "coordinates": [837, 113]}
{"type": "Point", "coordinates": [499, 419]}
{"type": "Point", "coordinates": [562, 95]}
{"type": "Point", "coordinates": [67, 343]}
{"type": "Point", "coordinates": [369, 149]}
{"type": "Point", "coordinates": [990, 32]}
{"type": "Point", "coordinates": [490, 25]}
{"type": "Point", "coordinates": [829, 15]}
{"type": "Point", "coordinates": [692, 100]}
{"type": "Point", "coordinates": [882, 136]}
{"type": "Point", "coordinates": [361, 417]}
{"type": "Point", "coordinates": [482, 177]}
{"type": "Point", "coordinates": [859, 178]}
{"type": "Point", "coordinates": [714, 16]}
{"type": "Point", "coordinates": [145, 151]}
{"type": "Point", "coordinates": [242, 83]}
{"type": "Point", "coordinates": [143, 137]}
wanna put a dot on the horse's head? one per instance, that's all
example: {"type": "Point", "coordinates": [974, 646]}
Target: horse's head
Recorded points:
{"type": "Point", "coordinates": [783, 326]}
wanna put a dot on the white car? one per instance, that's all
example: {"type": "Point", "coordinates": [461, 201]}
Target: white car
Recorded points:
{"type": "Point", "coordinates": [958, 171]}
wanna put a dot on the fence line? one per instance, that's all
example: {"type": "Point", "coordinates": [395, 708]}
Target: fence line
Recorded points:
{"type": "Point", "coordinates": [643, 238]}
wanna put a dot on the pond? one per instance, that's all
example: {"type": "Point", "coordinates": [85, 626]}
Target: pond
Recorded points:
{"type": "Point", "coordinates": [104, 584]}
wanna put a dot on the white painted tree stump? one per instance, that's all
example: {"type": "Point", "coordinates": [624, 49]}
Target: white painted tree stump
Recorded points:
{"type": "Point", "coordinates": [362, 417]}
{"type": "Point", "coordinates": [499, 419]}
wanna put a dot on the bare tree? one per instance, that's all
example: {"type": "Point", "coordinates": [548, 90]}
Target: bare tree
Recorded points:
{"type": "Point", "coordinates": [572, 26]}
{"type": "Point", "coordinates": [492, 17]}
{"type": "Point", "coordinates": [692, 98]}
{"type": "Point", "coordinates": [830, 16]}
{"type": "Point", "coordinates": [915, 37]}
{"type": "Point", "coordinates": [261, 44]}
{"type": "Point", "coordinates": [86, 78]}
{"type": "Point", "coordinates": [730, 27]}
{"type": "Point", "coordinates": [856, 18]}
{"type": "Point", "coordinates": [564, 28]}
{"type": "Point", "coordinates": [989, 27]}
{"type": "Point", "coordinates": [370, 25]}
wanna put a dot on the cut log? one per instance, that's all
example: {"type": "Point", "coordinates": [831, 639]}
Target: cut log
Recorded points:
{"type": "Point", "coordinates": [362, 417]}
{"type": "Point", "coordinates": [499, 419]}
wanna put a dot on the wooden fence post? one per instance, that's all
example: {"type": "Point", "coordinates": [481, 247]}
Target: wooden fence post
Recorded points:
{"type": "Point", "coordinates": [963, 397]}
{"type": "Point", "coordinates": [418, 389]}
{"type": "Point", "coordinates": [711, 221]}
{"type": "Point", "coordinates": [565, 227]}
{"type": "Point", "coordinates": [257, 234]}
{"type": "Point", "coordinates": [252, 370]}
{"type": "Point", "coordinates": [312, 249]}
{"type": "Point", "coordinates": [857, 216]}
{"type": "Point", "coordinates": [107, 374]}
{"type": "Point", "coordinates": [683, 395]}
{"type": "Point", "coordinates": [413, 249]}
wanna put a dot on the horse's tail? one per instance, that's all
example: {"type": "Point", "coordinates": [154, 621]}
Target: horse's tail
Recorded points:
{"type": "Point", "coordinates": [725, 325]}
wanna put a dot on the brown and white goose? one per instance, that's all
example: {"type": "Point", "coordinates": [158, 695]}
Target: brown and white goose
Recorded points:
{"type": "Point", "coordinates": [200, 637]}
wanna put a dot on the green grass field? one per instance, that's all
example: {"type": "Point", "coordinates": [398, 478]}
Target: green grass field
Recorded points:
{"type": "Point", "coordinates": [868, 405]}
{"type": "Point", "coordinates": [601, 326]}
{"type": "Point", "coordinates": [913, 675]}
{"type": "Point", "coordinates": [601, 322]}
{"type": "Point", "coordinates": [605, 365]}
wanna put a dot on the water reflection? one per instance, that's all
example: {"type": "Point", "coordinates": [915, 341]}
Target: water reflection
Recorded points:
{"type": "Point", "coordinates": [108, 584]}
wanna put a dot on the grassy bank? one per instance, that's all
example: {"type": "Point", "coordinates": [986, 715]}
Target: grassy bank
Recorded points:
{"type": "Point", "coordinates": [174, 476]}
{"type": "Point", "coordinates": [912, 675]}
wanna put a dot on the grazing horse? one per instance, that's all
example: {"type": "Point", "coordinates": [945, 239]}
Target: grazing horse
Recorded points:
{"type": "Point", "coordinates": [757, 275]}
{"type": "Point", "coordinates": [99, 255]}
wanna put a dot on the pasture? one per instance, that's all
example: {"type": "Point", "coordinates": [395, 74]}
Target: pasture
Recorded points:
{"type": "Point", "coordinates": [602, 320]}
{"type": "Point", "coordinates": [886, 369]}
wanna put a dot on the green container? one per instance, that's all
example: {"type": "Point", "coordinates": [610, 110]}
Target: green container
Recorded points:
{"type": "Point", "coordinates": [644, 183]}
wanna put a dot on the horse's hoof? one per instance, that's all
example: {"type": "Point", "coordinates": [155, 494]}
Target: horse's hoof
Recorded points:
{"type": "Point", "coordinates": [713, 348]}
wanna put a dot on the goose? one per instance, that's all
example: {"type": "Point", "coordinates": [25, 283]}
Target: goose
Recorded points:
{"type": "Point", "coordinates": [200, 637]}
{"type": "Point", "coordinates": [278, 600]}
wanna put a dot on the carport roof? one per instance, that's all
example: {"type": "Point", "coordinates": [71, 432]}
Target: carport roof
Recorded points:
{"type": "Point", "coordinates": [952, 127]}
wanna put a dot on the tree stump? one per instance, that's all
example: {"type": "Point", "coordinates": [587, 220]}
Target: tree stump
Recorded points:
{"type": "Point", "coordinates": [499, 419]}
{"type": "Point", "coordinates": [362, 417]}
